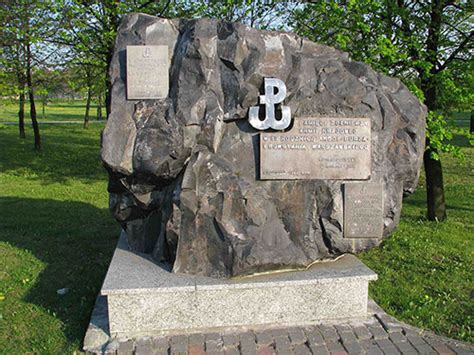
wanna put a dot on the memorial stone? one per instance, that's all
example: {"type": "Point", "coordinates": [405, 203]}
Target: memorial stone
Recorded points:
{"type": "Point", "coordinates": [232, 151]}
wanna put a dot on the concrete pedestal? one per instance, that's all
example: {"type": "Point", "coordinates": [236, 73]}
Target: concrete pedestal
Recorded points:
{"type": "Point", "coordinates": [144, 298]}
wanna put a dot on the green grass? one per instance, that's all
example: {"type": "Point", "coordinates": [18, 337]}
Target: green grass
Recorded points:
{"type": "Point", "coordinates": [426, 268]}
{"type": "Point", "coordinates": [55, 110]}
{"type": "Point", "coordinates": [56, 232]}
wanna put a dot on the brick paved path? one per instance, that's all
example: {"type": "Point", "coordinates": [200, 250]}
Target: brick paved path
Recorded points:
{"type": "Point", "coordinates": [379, 334]}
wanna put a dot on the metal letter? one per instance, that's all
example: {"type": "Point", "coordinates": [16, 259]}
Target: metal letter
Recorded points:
{"type": "Point", "coordinates": [270, 99]}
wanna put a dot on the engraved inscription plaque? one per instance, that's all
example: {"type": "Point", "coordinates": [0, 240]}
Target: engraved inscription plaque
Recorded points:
{"type": "Point", "coordinates": [147, 72]}
{"type": "Point", "coordinates": [317, 148]}
{"type": "Point", "coordinates": [363, 210]}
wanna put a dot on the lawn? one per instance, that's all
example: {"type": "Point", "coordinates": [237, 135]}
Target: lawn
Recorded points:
{"type": "Point", "coordinates": [56, 232]}
{"type": "Point", "coordinates": [426, 268]}
{"type": "Point", "coordinates": [55, 110]}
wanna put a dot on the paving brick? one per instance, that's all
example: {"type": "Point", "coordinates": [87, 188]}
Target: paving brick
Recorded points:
{"type": "Point", "coordinates": [276, 333]}
{"type": "Point", "coordinates": [264, 338]}
{"type": "Point", "coordinates": [415, 340]}
{"type": "Point", "coordinates": [371, 347]}
{"type": "Point", "coordinates": [297, 336]}
{"type": "Point", "coordinates": [374, 350]}
{"type": "Point", "coordinates": [411, 331]}
{"type": "Point", "coordinates": [230, 340]}
{"type": "Point", "coordinates": [424, 349]}
{"type": "Point", "coordinates": [319, 349]}
{"type": "Point", "coordinates": [196, 350]}
{"type": "Point", "coordinates": [388, 323]}
{"type": "Point", "coordinates": [265, 350]}
{"type": "Point", "coordinates": [302, 349]}
{"type": "Point", "coordinates": [437, 345]}
{"type": "Point", "coordinates": [160, 344]}
{"type": "Point", "coordinates": [196, 339]}
{"type": "Point", "coordinates": [126, 348]}
{"type": "Point", "coordinates": [378, 332]}
{"type": "Point", "coordinates": [213, 340]}
{"type": "Point", "coordinates": [398, 337]}
{"type": "Point", "coordinates": [405, 347]}
{"type": "Point", "coordinates": [421, 345]}
{"type": "Point", "coordinates": [362, 332]}
{"type": "Point", "coordinates": [247, 344]}
{"type": "Point", "coordinates": [231, 351]}
{"type": "Point", "coordinates": [343, 327]}
{"type": "Point", "coordinates": [348, 337]}
{"type": "Point", "coordinates": [178, 344]}
{"type": "Point", "coordinates": [335, 347]}
{"type": "Point", "coordinates": [215, 352]}
{"type": "Point", "coordinates": [353, 348]}
{"type": "Point", "coordinates": [387, 346]}
{"type": "Point", "coordinates": [143, 346]}
{"type": "Point", "coordinates": [283, 345]}
{"type": "Point", "coordinates": [247, 336]}
{"type": "Point", "coordinates": [314, 337]}
{"type": "Point", "coordinates": [462, 351]}
{"type": "Point", "coordinates": [328, 332]}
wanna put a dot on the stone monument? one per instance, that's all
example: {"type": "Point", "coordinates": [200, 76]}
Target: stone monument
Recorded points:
{"type": "Point", "coordinates": [233, 151]}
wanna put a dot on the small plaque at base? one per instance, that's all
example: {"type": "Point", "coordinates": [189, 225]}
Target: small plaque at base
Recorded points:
{"type": "Point", "coordinates": [363, 210]}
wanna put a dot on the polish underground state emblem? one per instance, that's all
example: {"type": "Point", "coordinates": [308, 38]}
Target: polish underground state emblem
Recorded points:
{"type": "Point", "coordinates": [270, 99]}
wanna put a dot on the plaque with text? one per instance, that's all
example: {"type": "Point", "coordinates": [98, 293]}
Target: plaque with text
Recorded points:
{"type": "Point", "coordinates": [147, 72]}
{"type": "Point", "coordinates": [317, 148]}
{"type": "Point", "coordinates": [363, 210]}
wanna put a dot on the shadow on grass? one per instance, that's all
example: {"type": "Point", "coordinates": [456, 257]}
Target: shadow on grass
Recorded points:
{"type": "Point", "coordinates": [75, 241]}
{"type": "Point", "coordinates": [68, 152]}
{"type": "Point", "coordinates": [417, 202]}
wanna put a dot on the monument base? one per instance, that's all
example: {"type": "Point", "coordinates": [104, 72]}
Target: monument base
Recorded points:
{"type": "Point", "coordinates": [144, 298]}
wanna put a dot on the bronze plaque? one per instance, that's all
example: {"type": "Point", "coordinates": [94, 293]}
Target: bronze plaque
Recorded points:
{"type": "Point", "coordinates": [363, 210]}
{"type": "Point", "coordinates": [317, 148]}
{"type": "Point", "coordinates": [147, 72]}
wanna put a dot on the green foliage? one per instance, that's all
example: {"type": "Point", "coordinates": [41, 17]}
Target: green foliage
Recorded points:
{"type": "Point", "coordinates": [440, 132]}
{"type": "Point", "coordinates": [393, 38]}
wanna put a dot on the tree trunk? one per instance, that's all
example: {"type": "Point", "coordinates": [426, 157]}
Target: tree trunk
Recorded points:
{"type": "Point", "coordinates": [29, 83]}
{"type": "Point", "coordinates": [88, 106]}
{"type": "Point", "coordinates": [99, 107]}
{"type": "Point", "coordinates": [433, 170]}
{"type": "Point", "coordinates": [21, 115]}
{"type": "Point", "coordinates": [434, 186]}
{"type": "Point", "coordinates": [471, 128]}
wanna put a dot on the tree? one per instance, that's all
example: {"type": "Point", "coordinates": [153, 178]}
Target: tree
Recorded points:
{"type": "Point", "coordinates": [25, 24]}
{"type": "Point", "coordinates": [260, 14]}
{"type": "Point", "coordinates": [90, 27]}
{"type": "Point", "coordinates": [420, 42]}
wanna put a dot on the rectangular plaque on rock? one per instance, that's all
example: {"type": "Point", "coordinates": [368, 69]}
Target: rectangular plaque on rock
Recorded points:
{"type": "Point", "coordinates": [147, 72]}
{"type": "Point", "coordinates": [318, 148]}
{"type": "Point", "coordinates": [363, 210]}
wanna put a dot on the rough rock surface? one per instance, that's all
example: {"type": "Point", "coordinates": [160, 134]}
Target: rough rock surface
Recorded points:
{"type": "Point", "coordinates": [184, 170]}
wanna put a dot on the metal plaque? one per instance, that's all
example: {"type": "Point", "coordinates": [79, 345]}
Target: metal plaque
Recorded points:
{"type": "Point", "coordinates": [318, 148]}
{"type": "Point", "coordinates": [147, 72]}
{"type": "Point", "coordinates": [363, 210]}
